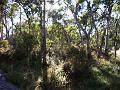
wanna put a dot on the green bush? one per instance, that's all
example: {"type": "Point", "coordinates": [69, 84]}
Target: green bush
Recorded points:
{"type": "Point", "coordinates": [26, 42]}
{"type": "Point", "coordinates": [18, 79]}
{"type": "Point", "coordinates": [4, 43]}
{"type": "Point", "coordinates": [75, 53]}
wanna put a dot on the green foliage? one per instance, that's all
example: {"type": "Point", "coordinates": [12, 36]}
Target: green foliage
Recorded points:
{"type": "Point", "coordinates": [97, 1]}
{"type": "Point", "coordinates": [68, 64]}
{"type": "Point", "coordinates": [59, 34]}
{"type": "Point", "coordinates": [55, 33]}
{"type": "Point", "coordinates": [13, 9]}
{"type": "Point", "coordinates": [81, 1]}
{"type": "Point", "coordinates": [75, 53]}
{"type": "Point", "coordinates": [55, 15]}
{"type": "Point", "coordinates": [73, 35]}
{"type": "Point", "coordinates": [84, 18]}
{"type": "Point", "coordinates": [3, 2]}
{"type": "Point", "coordinates": [116, 7]}
{"type": "Point", "coordinates": [26, 41]}
{"type": "Point", "coordinates": [4, 43]}
{"type": "Point", "coordinates": [18, 79]}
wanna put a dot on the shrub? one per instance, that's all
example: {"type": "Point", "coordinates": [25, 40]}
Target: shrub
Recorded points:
{"type": "Point", "coordinates": [75, 53]}
{"type": "Point", "coordinates": [4, 43]}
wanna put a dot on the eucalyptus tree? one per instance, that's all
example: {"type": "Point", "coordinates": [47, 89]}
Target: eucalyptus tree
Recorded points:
{"type": "Point", "coordinates": [3, 17]}
{"type": "Point", "coordinates": [107, 12]}
{"type": "Point", "coordinates": [38, 7]}
{"type": "Point", "coordinates": [31, 8]}
{"type": "Point", "coordinates": [13, 8]}
{"type": "Point", "coordinates": [114, 35]}
{"type": "Point", "coordinates": [97, 12]}
{"type": "Point", "coordinates": [115, 27]}
{"type": "Point", "coordinates": [8, 11]}
{"type": "Point", "coordinates": [84, 17]}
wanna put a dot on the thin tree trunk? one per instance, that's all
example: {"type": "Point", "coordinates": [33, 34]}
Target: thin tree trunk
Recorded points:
{"type": "Point", "coordinates": [89, 56]}
{"type": "Point", "coordinates": [44, 48]}
{"type": "Point", "coordinates": [20, 20]}
{"type": "Point", "coordinates": [115, 41]}
{"type": "Point", "coordinates": [79, 28]}
{"type": "Point", "coordinates": [101, 45]}
{"type": "Point", "coordinates": [115, 48]}
{"type": "Point", "coordinates": [97, 32]}
{"type": "Point", "coordinates": [1, 19]}
{"type": "Point", "coordinates": [97, 40]}
{"type": "Point", "coordinates": [110, 5]}
{"type": "Point", "coordinates": [106, 40]}
{"type": "Point", "coordinates": [5, 24]}
{"type": "Point", "coordinates": [12, 25]}
{"type": "Point", "coordinates": [1, 31]}
{"type": "Point", "coordinates": [1, 22]}
{"type": "Point", "coordinates": [43, 45]}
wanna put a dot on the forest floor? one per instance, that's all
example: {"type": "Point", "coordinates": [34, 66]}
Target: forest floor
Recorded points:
{"type": "Point", "coordinates": [104, 75]}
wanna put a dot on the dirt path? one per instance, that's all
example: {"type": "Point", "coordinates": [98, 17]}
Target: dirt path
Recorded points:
{"type": "Point", "coordinates": [4, 85]}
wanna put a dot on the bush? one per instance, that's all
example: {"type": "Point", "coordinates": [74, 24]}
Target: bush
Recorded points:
{"type": "Point", "coordinates": [75, 53]}
{"type": "Point", "coordinates": [4, 43]}
{"type": "Point", "coordinates": [19, 54]}
{"type": "Point", "coordinates": [75, 69]}
{"type": "Point", "coordinates": [18, 79]}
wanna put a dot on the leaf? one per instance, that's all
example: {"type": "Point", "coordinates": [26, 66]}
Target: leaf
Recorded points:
{"type": "Point", "coordinates": [97, 1]}
{"type": "Point", "coordinates": [116, 7]}
{"type": "Point", "coordinates": [81, 1]}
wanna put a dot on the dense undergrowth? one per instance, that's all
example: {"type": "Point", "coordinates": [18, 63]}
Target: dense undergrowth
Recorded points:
{"type": "Point", "coordinates": [68, 69]}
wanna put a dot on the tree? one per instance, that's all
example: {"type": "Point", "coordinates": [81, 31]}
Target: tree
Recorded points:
{"type": "Point", "coordinates": [84, 25]}
{"type": "Point", "coordinates": [1, 18]}
{"type": "Point", "coordinates": [2, 14]}
{"type": "Point", "coordinates": [42, 12]}
{"type": "Point", "coordinates": [11, 14]}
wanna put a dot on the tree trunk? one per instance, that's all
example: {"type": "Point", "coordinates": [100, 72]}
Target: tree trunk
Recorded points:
{"type": "Point", "coordinates": [115, 41]}
{"type": "Point", "coordinates": [110, 5]}
{"type": "Point", "coordinates": [1, 32]}
{"type": "Point", "coordinates": [115, 48]}
{"type": "Point", "coordinates": [106, 41]}
{"type": "Point", "coordinates": [44, 49]}
{"type": "Point", "coordinates": [43, 45]}
{"type": "Point", "coordinates": [1, 19]}
{"type": "Point", "coordinates": [88, 48]}
{"type": "Point", "coordinates": [12, 25]}
{"type": "Point", "coordinates": [101, 45]}
{"type": "Point", "coordinates": [20, 20]}
{"type": "Point", "coordinates": [1, 23]}
{"type": "Point", "coordinates": [97, 40]}
{"type": "Point", "coordinates": [79, 29]}
{"type": "Point", "coordinates": [5, 24]}
{"type": "Point", "coordinates": [115, 38]}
